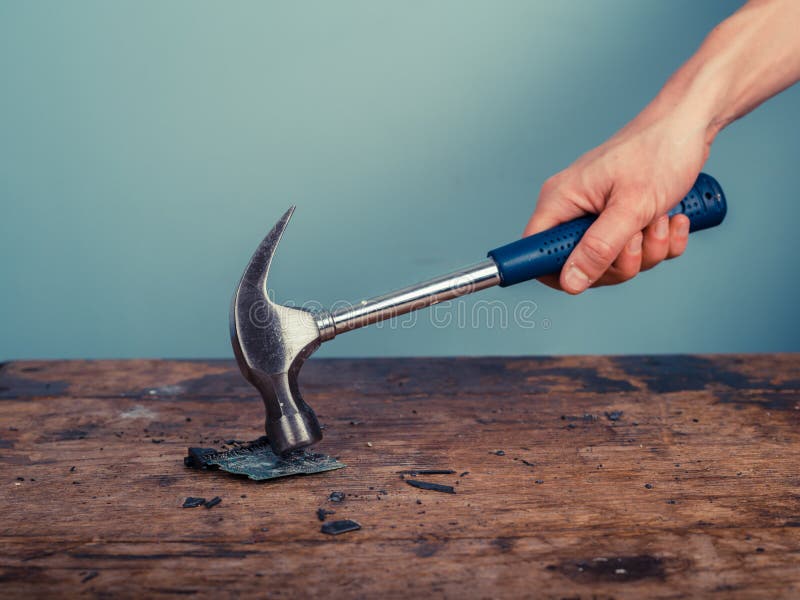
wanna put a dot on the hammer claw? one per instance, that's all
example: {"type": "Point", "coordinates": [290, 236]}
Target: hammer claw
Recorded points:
{"type": "Point", "coordinates": [258, 269]}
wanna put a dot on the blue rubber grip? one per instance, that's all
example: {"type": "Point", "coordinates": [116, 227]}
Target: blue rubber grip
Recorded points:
{"type": "Point", "coordinates": [545, 253]}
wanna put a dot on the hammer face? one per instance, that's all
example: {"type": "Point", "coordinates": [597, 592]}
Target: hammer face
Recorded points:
{"type": "Point", "coordinates": [290, 423]}
{"type": "Point", "coordinates": [271, 342]}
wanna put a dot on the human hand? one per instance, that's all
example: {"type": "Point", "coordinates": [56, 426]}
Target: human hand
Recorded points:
{"type": "Point", "coordinates": [631, 181]}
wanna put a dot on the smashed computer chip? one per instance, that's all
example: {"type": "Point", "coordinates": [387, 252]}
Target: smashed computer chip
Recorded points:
{"type": "Point", "coordinates": [257, 461]}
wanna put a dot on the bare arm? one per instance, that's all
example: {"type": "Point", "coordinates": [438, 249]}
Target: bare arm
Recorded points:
{"type": "Point", "coordinates": [638, 175]}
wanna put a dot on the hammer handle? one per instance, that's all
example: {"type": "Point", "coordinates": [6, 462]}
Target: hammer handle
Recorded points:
{"type": "Point", "coordinates": [544, 253]}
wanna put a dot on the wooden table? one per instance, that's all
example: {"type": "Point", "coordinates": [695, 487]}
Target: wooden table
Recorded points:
{"type": "Point", "coordinates": [694, 489]}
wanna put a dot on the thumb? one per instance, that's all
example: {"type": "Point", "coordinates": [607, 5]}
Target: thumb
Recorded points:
{"type": "Point", "coordinates": [552, 209]}
{"type": "Point", "coordinates": [600, 246]}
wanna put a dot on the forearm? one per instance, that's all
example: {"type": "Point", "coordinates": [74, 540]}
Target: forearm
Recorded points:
{"type": "Point", "coordinates": [632, 180]}
{"type": "Point", "coordinates": [745, 60]}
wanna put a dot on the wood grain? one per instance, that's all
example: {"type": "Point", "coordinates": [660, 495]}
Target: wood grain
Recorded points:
{"type": "Point", "coordinates": [693, 491]}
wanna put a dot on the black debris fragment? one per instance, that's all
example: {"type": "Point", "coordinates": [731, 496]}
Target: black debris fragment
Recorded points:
{"type": "Point", "coordinates": [426, 485]}
{"type": "Point", "coordinates": [671, 501]}
{"type": "Point", "coordinates": [527, 462]}
{"type": "Point", "coordinates": [336, 497]}
{"type": "Point", "coordinates": [322, 513]}
{"type": "Point", "coordinates": [649, 486]}
{"type": "Point", "coordinates": [192, 502]}
{"type": "Point", "coordinates": [465, 473]}
{"type": "Point", "coordinates": [89, 576]}
{"type": "Point", "coordinates": [213, 502]}
{"type": "Point", "coordinates": [156, 441]}
{"type": "Point", "coordinates": [20, 479]}
{"type": "Point", "coordinates": [414, 472]}
{"type": "Point", "coordinates": [499, 452]}
{"type": "Point", "coordinates": [337, 527]}
{"type": "Point", "coordinates": [196, 457]}
{"type": "Point", "coordinates": [759, 549]}
{"type": "Point", "coordinates": [539, 481]}
{"type": "Point", "coordinates": [614, 415]}
{"type": "Point", "coordinates": [72, 469]}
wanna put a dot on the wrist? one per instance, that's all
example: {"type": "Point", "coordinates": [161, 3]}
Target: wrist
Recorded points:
{"type": "Point", "coordinates": [693, 102]}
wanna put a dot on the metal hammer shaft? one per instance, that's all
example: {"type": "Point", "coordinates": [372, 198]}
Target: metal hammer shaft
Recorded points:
{"type": "Point", "coordinates": [427, 293]}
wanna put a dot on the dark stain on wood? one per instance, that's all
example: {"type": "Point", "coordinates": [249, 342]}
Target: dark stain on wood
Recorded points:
{"type": "Point", "coordinates": [767, 400]}
{"type": "Point", "coordinates": [17, 386]}
{"type": "Point", "coordinates": [426, 548]}
{"type": "Point", "coordinates": [589, 379]}
{"type": "Point", "coordinates": [26, 574]}
{"type": "Point", "coordinates": [66, 435]}
{"type": "Point", "coordinates": [212, 551]}
{"type": "Point", "coordinates": [171, 591]}
{"type": "Point", "coordinates": [503, 544]}
{"type": "Point", "coordinates": [682, 372]}
{"type": "Point", "coordinates": [616, 568]}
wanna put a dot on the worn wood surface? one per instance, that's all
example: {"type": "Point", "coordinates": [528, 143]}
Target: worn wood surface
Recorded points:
{"type": "Point", "coordinates": [693, 491]}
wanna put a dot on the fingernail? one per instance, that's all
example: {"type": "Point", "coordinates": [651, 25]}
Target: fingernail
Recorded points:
{"type": "Point", "coordinates": [635, 245]}
{"type": "Point", "coordinates": [575, 279]}
{"type": "Point", "coordinates": [682, 229]}
{"type": "Point", "coordinates": [662, 227]}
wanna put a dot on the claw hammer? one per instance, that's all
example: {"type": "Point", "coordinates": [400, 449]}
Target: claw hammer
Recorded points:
{"type": "Point", "coordinates": [271, 341]}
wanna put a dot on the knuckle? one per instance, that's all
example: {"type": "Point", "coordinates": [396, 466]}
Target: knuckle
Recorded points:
{"type": "Point", "coordinates": [551, 185]}
{"type": "Point", "coordinates": [597, 252]}
{"type": "Point", "coordinates": [632, 206]}
{"type": "Point", "coordinates": [676, 252]}
{"type": "Point", "coordinates": [647, 265]}
{"type": "Point", "coordinates": [628, 273]}
{"type": "Point", "coordinates": [634, 212]}
{"type": "Point", "coordinates": [655, 252]}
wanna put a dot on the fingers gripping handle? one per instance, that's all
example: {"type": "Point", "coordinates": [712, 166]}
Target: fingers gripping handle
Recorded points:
{"type": "Point", "coordinates": [545, 253]}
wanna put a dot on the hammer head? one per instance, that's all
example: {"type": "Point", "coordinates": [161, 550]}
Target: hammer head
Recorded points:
{"type": "Point", "coordinates": [271, 342]}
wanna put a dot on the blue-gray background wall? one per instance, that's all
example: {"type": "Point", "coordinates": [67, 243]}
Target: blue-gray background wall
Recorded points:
{"type": "Point", "coordinates": [146, 147]}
